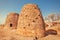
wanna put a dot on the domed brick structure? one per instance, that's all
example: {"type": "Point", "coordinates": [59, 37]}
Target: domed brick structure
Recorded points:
{"type": "Point", "coordinates": [31, 22]}
{"type": "Point", "coordinates": [11, 20]}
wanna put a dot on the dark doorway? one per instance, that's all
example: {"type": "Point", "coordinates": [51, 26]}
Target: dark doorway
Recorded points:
{"type": "Point", "coordinates": [10, 25]}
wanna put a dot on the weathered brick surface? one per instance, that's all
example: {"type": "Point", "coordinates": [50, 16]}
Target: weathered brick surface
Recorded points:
{"type": "Point", "coordinates": [11, 20]}
{"type": "Point", "coordinates": [31, 22]}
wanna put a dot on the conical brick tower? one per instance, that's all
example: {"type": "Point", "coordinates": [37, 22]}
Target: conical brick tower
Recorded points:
{"type": "Point", "coordinates": [31, 22]}
{"type": "Point", "coordinates": [11, 20]}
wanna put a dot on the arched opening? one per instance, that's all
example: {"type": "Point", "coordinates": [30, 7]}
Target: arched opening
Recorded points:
{"type": "Point", "coordinates": [10, 25]}
{"type": "Point", "coordinates": [51, 32]}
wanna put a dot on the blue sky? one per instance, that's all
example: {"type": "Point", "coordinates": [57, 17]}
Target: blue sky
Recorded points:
{"type": "Point", "coordinates": [46, 6]}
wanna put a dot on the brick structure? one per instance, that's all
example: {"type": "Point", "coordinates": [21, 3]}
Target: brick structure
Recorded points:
{"type": "Point", "coordinates": [31, 22]}
{"type": "Point", "coordinates": [11, 20]}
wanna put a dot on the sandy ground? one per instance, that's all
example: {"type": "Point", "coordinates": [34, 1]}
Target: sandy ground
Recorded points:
{"type": "Point", "coordinates": [11, 35]}
{"type": "Point", "coordinates": [8, 34]}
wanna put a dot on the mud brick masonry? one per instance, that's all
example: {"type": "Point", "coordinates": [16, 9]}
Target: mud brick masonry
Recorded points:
{"type": "Point", "coordinates": [28, 23]}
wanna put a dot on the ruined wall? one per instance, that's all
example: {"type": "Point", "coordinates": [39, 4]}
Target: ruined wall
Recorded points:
{"type": "Point", "coordinates": [31, 22]}
{"type": "Point", "coordinates": [11, 20]}
{"type": "Point", "coordinates": [1, 26]}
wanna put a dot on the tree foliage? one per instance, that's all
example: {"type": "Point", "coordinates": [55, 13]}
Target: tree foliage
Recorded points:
{"type": "Point", "coordinates": [53, 17]}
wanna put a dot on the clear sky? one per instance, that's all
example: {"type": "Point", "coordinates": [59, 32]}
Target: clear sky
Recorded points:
{"type": "Point", "coordinates": [46, 6]}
